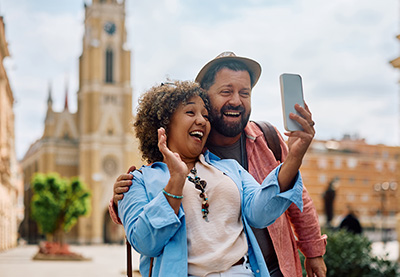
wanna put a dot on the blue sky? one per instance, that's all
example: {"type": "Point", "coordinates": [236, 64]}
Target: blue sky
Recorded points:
{"type": "Point", "coordinates": [341, 48]}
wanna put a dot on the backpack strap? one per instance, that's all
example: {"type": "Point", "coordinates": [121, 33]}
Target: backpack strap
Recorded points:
{"type": "Point", "coordinates": [129, 258]}
{"type": "Point", "coordinates": [271, 137]}
{"type": "Point", "coordinates": [151, 266]}
{"type": "Point", "coordinates": [129, 254]}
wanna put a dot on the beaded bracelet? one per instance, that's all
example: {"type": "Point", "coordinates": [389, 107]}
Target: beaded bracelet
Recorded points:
{"type": "Point", "coordinates": [172, 195]}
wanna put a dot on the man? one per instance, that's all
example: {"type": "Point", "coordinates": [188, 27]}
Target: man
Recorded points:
{"type": "Point", "coordinates": [228, 80]}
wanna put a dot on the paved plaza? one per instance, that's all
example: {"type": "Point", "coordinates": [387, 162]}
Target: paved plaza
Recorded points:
{"type": "Point", "coordinates": [106, 260]}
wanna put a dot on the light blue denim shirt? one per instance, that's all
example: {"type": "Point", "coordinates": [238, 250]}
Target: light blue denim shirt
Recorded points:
{"type": "Point", "coordinates": [154, 230]}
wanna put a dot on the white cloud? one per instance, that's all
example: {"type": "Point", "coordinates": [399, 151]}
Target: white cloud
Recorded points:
{"type": "Point", "coordinates": [341, 48]}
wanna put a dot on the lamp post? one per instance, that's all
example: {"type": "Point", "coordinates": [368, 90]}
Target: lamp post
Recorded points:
{"type": "Point", "coordinates": [382, 188]}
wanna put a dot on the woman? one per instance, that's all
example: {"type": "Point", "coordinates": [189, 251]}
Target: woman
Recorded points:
{"type": "Point", "coordinates": [190, 213]}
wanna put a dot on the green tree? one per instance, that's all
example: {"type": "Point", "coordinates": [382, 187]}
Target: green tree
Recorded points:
{"type": "Point", "coordinates": [57, 203]}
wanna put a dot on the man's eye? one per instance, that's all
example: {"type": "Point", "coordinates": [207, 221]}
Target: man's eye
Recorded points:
{"type": "Point", "coordinates": [245, 94]}
{"type": "Point", "coordinates": [190, 112]}
{"type": "Point", "coordinates": [225, 92]}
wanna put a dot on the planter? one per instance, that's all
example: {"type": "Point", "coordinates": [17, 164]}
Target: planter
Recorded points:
{"type": "Point", "coordinates": [53, 251]}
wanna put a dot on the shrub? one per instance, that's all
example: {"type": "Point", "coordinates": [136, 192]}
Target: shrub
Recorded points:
{"type": "Point", "coordinates": [350, 255]}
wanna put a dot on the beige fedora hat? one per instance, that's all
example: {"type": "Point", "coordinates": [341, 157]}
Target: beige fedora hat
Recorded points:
{"type": "Point", "coordinates": [254, 67]}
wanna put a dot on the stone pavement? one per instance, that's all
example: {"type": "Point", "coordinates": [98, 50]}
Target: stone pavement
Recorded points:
{"type": "Point", "coordinates": [106, 260]}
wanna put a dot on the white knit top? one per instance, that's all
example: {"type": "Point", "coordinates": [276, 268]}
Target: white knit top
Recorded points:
{"type": "Point", "coordinates": [216, 245]}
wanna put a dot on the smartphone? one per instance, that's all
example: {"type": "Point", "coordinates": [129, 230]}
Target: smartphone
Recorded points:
{"type": "Point", "coordinates": [291, 94]}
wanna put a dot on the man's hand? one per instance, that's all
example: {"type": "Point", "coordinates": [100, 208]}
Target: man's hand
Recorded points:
{"type": "Point", "coordinates": [298, 143]}
{"type": "Point", "coordinates": [124, 181]}
{"type": "Point", "coordinates": [315, 267]}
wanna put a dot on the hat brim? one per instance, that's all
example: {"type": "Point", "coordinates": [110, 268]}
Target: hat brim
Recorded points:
{"type": "Point", "coordinates": [253, 66]}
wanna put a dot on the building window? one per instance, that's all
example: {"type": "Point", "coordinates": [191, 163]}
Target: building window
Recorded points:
{"type": "Point", "coordinates": [351, 162]}
{"type": "Point", "coordinates": [109, 66]}
{"type": "Point", "coordinates": [351, 197]}
{"type": "Point", "coordinates": [365, 198]}
{"type": "Point", "coordinates": [322, 178]}
{"type": "Point", "coordinates": [392, 166]}
{"type": "Point", "coordinates": [338, 163]}
{"type": "Point", "coordinates": [379, 165]}
{"type": "Point", "coordinates": [110, 99]}
{"type": "Point", "coordinates": [322, 163]}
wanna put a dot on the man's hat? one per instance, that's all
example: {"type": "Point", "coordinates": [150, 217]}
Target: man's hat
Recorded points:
{"type": "Point", "coordinates": [252, 65]}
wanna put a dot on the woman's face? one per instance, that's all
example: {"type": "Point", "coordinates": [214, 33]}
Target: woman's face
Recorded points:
{"type": "Point", "coordinates": [189, 129]}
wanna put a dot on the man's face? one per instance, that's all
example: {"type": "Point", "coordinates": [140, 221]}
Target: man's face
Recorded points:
{"type": "Point", "coordinates": [230, 99]}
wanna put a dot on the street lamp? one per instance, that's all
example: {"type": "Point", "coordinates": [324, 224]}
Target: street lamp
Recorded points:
{"type": "Point", "coordinates": [383, 188]}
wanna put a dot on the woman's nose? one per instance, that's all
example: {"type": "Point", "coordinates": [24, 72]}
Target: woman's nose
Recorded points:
{"type": "Point", "coordinates": [200, 120]}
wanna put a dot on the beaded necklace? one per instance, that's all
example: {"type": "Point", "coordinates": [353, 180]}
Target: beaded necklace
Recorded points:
{"type": "Point", "coordinates": [200, 185]}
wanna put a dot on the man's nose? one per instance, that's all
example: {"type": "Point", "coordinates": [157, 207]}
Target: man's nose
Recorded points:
{"type": "Point", "coordinates": [235, 99]}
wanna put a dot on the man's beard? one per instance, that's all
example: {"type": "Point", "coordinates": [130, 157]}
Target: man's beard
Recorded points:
{"type": "Point", "coordinates": [229, 129]}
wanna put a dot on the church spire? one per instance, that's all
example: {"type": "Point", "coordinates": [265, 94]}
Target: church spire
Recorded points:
{"type": "Point", "coordinates": [49, 98]}
{"type": "Point", "coordinates": [66, 95]}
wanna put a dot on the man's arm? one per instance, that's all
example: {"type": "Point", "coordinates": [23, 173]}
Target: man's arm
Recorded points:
{"type": "Point", "coordinates": [121, 185]}
{"type": "Point", "coordinates": [305, 224]}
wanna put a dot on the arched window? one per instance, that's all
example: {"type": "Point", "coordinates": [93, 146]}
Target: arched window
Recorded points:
{"type": "Point", "coordinates": [109, 66]}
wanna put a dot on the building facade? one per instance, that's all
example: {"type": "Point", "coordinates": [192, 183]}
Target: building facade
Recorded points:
{"type": "Point", "coordinates": [362, 176]}
{"type": "Point", "coordinates": [96, 143]}
{"type": "Point", "coordinates": [11, 189]}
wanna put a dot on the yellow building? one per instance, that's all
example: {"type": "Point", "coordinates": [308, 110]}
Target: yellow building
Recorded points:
{"type": "Point", "coordinates": [364, 176]}
{"type": "Point", "coordinates": [396, 64]}
{"type": "Point", "coordinates": [11, 186]}
{"type": "Point", "coordinates": [96, 143]}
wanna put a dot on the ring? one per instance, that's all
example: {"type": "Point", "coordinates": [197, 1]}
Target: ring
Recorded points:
{"type": "Point", "coordinates": [312, 123]}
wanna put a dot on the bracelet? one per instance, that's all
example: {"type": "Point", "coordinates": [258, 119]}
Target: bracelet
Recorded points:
{"type": "Point", "coordinates": [172, 195]}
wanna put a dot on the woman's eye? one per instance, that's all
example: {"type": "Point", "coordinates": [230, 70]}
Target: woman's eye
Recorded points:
{"type": "Point", "coordinates": [190, 112]}
{"type": "Point", "coordinates": [206, 117]}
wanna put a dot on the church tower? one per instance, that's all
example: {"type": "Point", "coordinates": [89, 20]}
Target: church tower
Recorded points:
{"type": "Point", "coordinates": [106, 146]}
{"type": "Point", "coordinates": [96, 143]}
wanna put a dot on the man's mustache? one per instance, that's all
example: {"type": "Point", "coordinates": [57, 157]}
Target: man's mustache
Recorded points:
{"type": "Point", "coordinates": [232, 108]}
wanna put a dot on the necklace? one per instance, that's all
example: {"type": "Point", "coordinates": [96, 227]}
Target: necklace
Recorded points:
{"type": "Point", "coordinates": [200, 185]}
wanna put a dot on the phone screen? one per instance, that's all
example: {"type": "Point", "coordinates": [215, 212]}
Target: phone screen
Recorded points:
{"type": "Point", "coordinates": [291, 94]}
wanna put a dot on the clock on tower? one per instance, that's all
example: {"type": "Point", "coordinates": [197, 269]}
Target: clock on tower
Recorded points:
{"type": "Point", "coordinates": [110, 28]}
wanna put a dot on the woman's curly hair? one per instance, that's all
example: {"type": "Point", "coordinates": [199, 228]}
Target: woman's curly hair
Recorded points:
{"type": "Point", "coordinates": [155, 109]}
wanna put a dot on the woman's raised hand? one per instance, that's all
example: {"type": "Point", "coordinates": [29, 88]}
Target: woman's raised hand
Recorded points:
{"type": "Point", "coordinates": [172, 159]}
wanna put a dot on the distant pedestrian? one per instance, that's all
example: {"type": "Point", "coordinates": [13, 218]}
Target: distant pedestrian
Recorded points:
{"type": "Point", "coordinates": [329, 198]}
{"type": "Point", "coordinates": [351, 222]}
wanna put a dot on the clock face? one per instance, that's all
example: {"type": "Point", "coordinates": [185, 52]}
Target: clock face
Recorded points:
{"type": "Point", "coordinates": [110, 28]}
